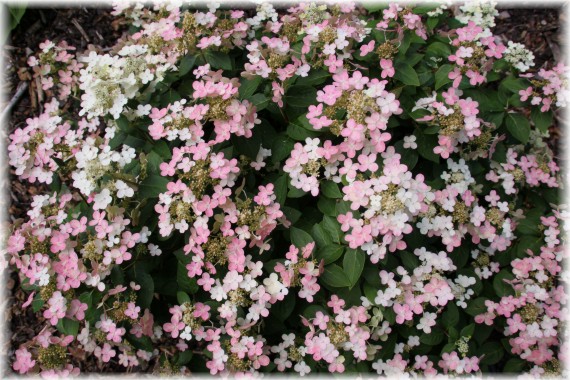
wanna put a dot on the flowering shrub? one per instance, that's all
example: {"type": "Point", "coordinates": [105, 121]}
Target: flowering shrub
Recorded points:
{"type": "Point", "coordinates": [314, 189]}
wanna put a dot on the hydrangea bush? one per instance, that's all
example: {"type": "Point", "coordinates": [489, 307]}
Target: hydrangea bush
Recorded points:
{"type": "Point", "coordinates": [319, 188]}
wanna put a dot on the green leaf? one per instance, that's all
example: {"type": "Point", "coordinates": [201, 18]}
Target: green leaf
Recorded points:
{"type": "Point", "coordinates": [330, 189]}
{"type": "Point", "coordinates": [260, 101]}
{"type": "Point", "coordinates": [314, 78]}
{"type": "Point", "coordinates": [409, 157]}
{"type": "Point", "coordinates": [300, 238]}
{"type": "Point", "coordinates": [68, 326]}
{"type": "Point", "coordinates": [332, 228]}
{"type": "Point", "coordinates": [542, 120]}
{"type": "Point", "coordinates": [515, 365]}
{"type": "Point", "coordinates": [434, 338]}
{"type": "Point", "coordinates": [185, 283]}
{"type": "Point", "coordinates": [406, 74]}
{"type": "Point", "coordinates": [518, 126]}
{"type": "Point", "coordinates": [502, 288]}
{"type": "Point", "coordinates": [282, 310]}
{"type": "Point", "coordinates": [476, 307]}
{"type": "Point", "coordinates": [409, 260]}
{"type": "Point", "coordinates": [451, 315]}
{"type": "Point", "coordinates": [373, 6]}
{"type": "Point", "coordinates": [353, 264]}
{"type": "Point", "coordinates": [301, 96]}
{"type": "Point", "coordinates": [449, 347]}
{"type": "Point", "coordinates": [514, 84]}
{"type": "Point", "coordinates": [146, 292]}
{"type": "Point", "coordinates": [296, 132]}
{"type": "Point", "coordinates": [327, 206]}
{"type": "Point", "coordinates": [335, 277]}
{"type": "Point", "coordinates": [468, 330]}
{"type": "Point", "coordinates": [37, 303]}
{"type": "Point", "coordinates": [16, 13]}
{"type": "Point", "coordinates": [248, 86]}
{"type": "Point", "coordinates": [329, 253]}
{"type": "Point", "coordinates": [426, 144]}
{"type": "Point", "coordinates": [182, 297]}
{"type": "Point", "coordinates": [184, 357]}
{"type": "Point", "coordinates": [321, 237]}
{"type": "Point", "coordinates": [186, 64]}
{"type": "Point", "coordinates": [281, 148]}
{"type": "Point", "coordinates": [438, 49]}
{"type": "Point", "coordinates": [492, 353]}
{"type": "Point", "coordinates": [281, 189]}
{"type": "Point", "coordinates": [441, 76]}
{"type": "Point", "coordinates": [218, 60]}
{"type": "Point", "coordinates": [152, 186]}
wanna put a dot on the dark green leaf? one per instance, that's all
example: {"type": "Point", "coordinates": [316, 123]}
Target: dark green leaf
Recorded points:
{"type": "Point", "coordinates": [502, 288]}
{"type": "Point", "coordinates": [330, 189]}
{"type": "Point", "coordinates": [300, 238]}
{"type": "Point", "coordinates": [301, 96]}
{"type": "Point", "coordinates": [329, 253]}
{"type": "Point", "coordinates": [434, 338]}
{"type": "Point", "coordinates": [441, 76]}
{"type": "Point", "coordinates": [186, 64]}
{"type": "Point", "coordinates": [218, 60]}
{"type": "Point", "coordinates": [406, 74]}
{"type": "Point", "coordinates": [185, 283]}
{"type": "Point", "coordinates": [542, 120]}
{"type": "Point", "coordinates": [334, 276]}
{"type": "Point", "coordinates": [260, 101]}
{"type": "Point", "coordinates": [248, 86]}
{"type": "Point", "coordinates": [518, 126]}
{"type": "Point", "coordinates": [146, 292]}
{"type": "Point", "coordinates": [491, 352]}
{"type": "Point", "coordinates": [476, 307]}
{"type": "Point", "coordinates": [152, 186]}
{"type": "Point", "coordinates": [353, 264]}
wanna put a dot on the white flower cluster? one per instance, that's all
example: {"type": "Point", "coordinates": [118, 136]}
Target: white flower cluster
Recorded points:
{"type": "Point", "coordinates": [481, 12]}
{"type": "Point", "coordinates": [458, 175]}
{"type": "Point", "coordinates": [93, 162]}
{"type": "Point", "coordinates": [265, 11]}
{"type": "Point", "coordinates": [460, 288]}
{"type": "Point", "coordinates": [439, 10]}
{"type": "Point", "coordinates": [519, 56]}
{"type": "Point", "coordinates": [110, 81]}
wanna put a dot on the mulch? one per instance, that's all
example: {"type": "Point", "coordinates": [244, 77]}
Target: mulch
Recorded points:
{"type": "Point", "coordinates": [537, 28]}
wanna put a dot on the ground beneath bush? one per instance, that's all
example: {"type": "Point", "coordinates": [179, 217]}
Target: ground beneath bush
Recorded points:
{"type": "Point", "coordinates": [538, 29]}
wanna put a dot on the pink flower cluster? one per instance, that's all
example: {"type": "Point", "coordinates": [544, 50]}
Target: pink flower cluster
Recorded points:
{"type": "Point", "coordinates": [56, 69]}
{"type": "Point", "coordinates": [391, 203]}
{"type": "Point", "coordinates": [533, 314]}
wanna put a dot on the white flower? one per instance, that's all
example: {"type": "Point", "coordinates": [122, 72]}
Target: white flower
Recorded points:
{"type": "Point", "coordinates": [272, 284]}
{"type": "Point", "coordinates": [187, 333]}
{"type": "Point", "coordinates": [102, 200]}
{"type": "Point", "coordinates": [410, 142]}
{"type": "Point", "coordinates": [302, 368]}
{"type": "Point", "coordinates": [413, 341]}
{"type": "Point", "coordinates": [154, 250]}
{"type": "Point", "coordinates": [481, 12]}
{"type": "Point", "coordinates": [123, 190]}
{"type": "Point", "coordinates": [519, 56]}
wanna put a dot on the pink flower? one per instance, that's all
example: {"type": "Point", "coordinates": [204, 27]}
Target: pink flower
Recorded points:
{"type": "Point", "coordinates": [365, 49]}
{"type": "Point", "coordinates": [23, 362]}
{"type": "Point", "coordinates": [387, 68]}
{"type": "Point", "coordinates": [105, 353]}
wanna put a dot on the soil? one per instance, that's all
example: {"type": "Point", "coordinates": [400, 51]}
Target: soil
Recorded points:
{"type": "Point", "coordinates": [537, 28]}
